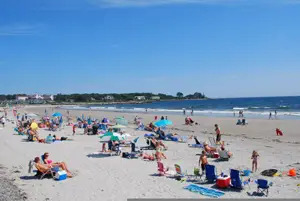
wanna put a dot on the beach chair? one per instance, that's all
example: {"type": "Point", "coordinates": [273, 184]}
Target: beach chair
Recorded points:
{"type": "Point", "coordinates": [179, 174]}
{"type": "Point", "coordinates": [236, 181]}
{"type": "Point", "coordinates": [210, 172]}
{"type": "Point", "coordinates": [40, 174]}
{"type": "Point", "coordinates": [196, 175]}
{"type": "Point", "coordinates": [263, 186]}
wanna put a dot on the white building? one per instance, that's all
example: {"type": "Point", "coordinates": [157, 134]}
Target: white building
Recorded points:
{"type": "Point", "coordinates": [140, 98]}
{"type": "Point", "coordinates": [155, 98]}
{"type": "Point", "coordinates": [48, 97]}
{"type": "Point", "coordinates": [21, 98]}
{"type": "Point", "coordinates": [108, 97]}
{"type": "Point", "coordinates": [35, 97]}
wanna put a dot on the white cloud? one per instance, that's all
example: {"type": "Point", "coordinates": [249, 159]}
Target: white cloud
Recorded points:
{"type": "Point", "coordinates": [142, 3]}
{"type": "Point", "coordinates": [19, 29]}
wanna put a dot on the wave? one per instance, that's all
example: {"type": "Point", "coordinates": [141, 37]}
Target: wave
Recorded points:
{"type": "Point", "coordinates": [223, 113]}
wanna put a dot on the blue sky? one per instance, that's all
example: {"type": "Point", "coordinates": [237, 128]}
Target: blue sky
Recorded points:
{"type": "Point", "coordinates": [224, 48]}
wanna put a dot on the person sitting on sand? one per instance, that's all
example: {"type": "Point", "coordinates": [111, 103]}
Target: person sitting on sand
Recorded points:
{"type": "Point", "coordinates": [229, 154]}
{"type": "Point", "coordinates": [209, 149]}
{"type": "Point", "coordinates": [150, 127]}
{"type": "Point", "coordinates": [279, 132]}
{"type": "Point", "coordinates": [48, 161]}
{"type": "Point", "coordinates": [46, 167]}
{"type": "Point", "coordinates": [203, 161]}
{"type": "Point", "coordinates": [254, 158]}
{"type": "Point", "coordinates": [150, 157]}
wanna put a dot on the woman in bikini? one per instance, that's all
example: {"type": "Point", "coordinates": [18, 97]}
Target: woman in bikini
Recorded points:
{"type": "Point", "coordinates": [49, 162]}
{"type": "Point", "coordinates": [254, 158]}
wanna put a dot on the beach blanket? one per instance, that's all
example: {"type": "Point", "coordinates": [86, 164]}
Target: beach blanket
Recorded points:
{"type": "Point", "coordinates": [204, 191]}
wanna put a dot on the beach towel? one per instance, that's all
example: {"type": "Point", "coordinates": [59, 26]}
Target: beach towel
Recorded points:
{"type": "Point", "coordinates": [204, 191]}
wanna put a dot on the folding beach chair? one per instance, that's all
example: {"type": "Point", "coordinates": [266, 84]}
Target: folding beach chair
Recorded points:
{"type": "Point", "coordinates": [179, 173]}
{"type": "Point", "coordinates": [51, 172]}
{"type": "Point", "coordinates": [263, 186]}
{"type": "Point", "coordinates": [196, 175]}
{"type": "Point", "coordinates": [236, 181]}
{"type": "Point", "coordinates": [210, 172]}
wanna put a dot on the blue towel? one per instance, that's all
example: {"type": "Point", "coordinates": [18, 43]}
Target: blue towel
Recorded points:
{"type": "Point", "coordinates": [204, 191]}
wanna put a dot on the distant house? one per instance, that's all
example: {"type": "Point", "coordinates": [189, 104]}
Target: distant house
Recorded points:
{"type": "Point", "coordinates": [48, 97]}
{"type": "Point", "coordinates": [140, 98]}
{"type": "Point", "coordinates": [109, 98]}
{"type": "Point", "coordinates": [155, 98]}
{"type": "Point", "coordinates": [21, 98]}
{"type": "Point", "coordinates": [35, 97]}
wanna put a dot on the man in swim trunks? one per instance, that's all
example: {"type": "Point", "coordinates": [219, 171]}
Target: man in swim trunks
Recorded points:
{"type": "Point", "coordinates": [203, 161]}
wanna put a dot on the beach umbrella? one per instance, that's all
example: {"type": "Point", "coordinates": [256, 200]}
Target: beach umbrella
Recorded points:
{"type": "Point", "coordinates": [56, 114]}
{"type": "Point", "coordinates": [111, 136]}
{"type": "Point", "coordinates": [34, 126]}
{"type": "Point", "coordinates": [163, 123]}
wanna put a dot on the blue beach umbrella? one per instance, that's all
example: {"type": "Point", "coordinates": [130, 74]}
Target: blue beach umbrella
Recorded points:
{"type": "Point", "coordinates": [56, 114]}
{"type": "Point", "coordinates": [163, 123]}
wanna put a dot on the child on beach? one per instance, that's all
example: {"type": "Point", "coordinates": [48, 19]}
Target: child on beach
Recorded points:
{"type": "Point", "coordinates": [74, 129]}
{"type": "Point", "coordinates": [279, 132]}
{"type": "Point", "coordinates": [254, 158]}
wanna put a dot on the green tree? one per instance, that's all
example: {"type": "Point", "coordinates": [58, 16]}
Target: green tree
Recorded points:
{"type": "Point", "coordinates": [179, 95]}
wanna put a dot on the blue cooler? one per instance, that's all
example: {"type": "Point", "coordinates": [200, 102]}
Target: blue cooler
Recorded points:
{"type": "Point", "coordinates": [61, 175]}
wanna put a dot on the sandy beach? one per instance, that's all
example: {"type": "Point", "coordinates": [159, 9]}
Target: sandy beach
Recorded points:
{"type": "Point", "coordinates": [115, 178]}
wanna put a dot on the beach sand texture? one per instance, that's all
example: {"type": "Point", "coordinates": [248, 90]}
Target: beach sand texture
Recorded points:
{"type": "Point", "coordinates": [113, 178]}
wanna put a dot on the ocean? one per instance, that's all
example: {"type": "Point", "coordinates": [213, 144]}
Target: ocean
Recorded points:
{"type": "Point", "coordinates": [286, 107]}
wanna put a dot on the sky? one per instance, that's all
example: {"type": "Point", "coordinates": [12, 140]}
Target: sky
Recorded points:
{"type": "Point", "coordinates": [223, 48]}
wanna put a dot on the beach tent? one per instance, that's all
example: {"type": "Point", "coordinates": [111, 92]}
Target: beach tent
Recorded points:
{"type": "Point", "coordinates": [56, 114]}
{"type": "Point", "coordinates": [163, 123]}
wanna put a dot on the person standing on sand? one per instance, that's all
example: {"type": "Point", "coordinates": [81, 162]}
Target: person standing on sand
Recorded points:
{"type": "Point", "coordinates": [203, 161]}
{"type": "Point", "coordinates": [183, 111]}
{"type": "Point", "coordinates": [275, 114]}
{"type": "Point", "coordinates": [218, 133]}
{"type": "Point", "coordinates": [270, 115]}
{"type": "Point", "coordinates": [192, 112]}
{"type": "Point", "coordinates": [254, 158]}
{"type": "Point", "coordinates": [74, 129]}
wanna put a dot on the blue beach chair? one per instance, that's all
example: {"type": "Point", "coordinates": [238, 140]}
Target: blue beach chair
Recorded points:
{"type": "Point", "coordinates": [210, 172]}
{"type": "Point", "coordinates": [263, 186]}
{"type": "Point", "coordinates": [236, 181]}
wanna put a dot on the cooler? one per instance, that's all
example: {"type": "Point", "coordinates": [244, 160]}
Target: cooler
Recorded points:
{"type": "Point", "coordinates": [61, 175]}
{"type": "Point", "coordinates": [223, 182]}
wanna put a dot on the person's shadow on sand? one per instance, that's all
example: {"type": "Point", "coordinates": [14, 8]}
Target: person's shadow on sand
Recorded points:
{"type": "Point", "coordinates": [99, 155]}
{"type": "Point", "coordinates": [28, 178]}
{"type": "Point", "coordinates": [256, 194]}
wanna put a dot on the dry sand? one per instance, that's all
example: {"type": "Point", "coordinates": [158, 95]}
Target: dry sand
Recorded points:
{"type": "Point", "coordinates": [115, 178]}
